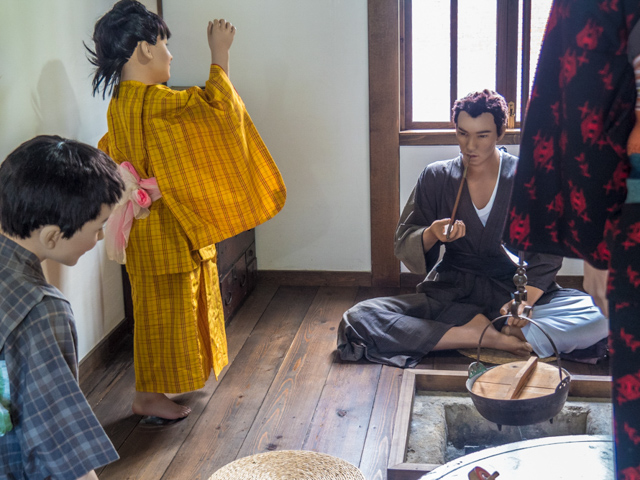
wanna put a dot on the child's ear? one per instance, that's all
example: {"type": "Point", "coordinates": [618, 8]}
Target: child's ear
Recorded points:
{"type": "Point", "coordinates": [144, 49]}
{"type": "Point", "coordinates": [49, 236]}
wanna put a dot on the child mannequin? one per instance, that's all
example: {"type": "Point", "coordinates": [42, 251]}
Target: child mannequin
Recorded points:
{"type": "Point", "coordinates": [55, 197]}
{"type": "Point", "coordinates": [209, 176]}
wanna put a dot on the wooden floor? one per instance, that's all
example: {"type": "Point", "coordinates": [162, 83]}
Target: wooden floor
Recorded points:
{"type": "Point", "coordinates": [284, 389]}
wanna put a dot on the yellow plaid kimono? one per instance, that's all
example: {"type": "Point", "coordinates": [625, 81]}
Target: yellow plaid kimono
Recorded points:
{"type": "Point", "coordinates": [217, 179]}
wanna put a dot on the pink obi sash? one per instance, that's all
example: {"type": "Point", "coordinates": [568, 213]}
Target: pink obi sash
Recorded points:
{"type": "Point", "coordinates": [138, 196]}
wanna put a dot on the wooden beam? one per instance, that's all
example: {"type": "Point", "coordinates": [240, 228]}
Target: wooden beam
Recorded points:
{"type": "Point", "coordinates": [507, 49]}
{"type": "Point", "coordinates": [315, 278]}
{"type": "Point", "coordinates": [384, 138]}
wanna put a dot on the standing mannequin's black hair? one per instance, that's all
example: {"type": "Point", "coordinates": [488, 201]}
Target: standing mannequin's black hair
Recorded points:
{"type": "Point", "coordinates": [116, 36]}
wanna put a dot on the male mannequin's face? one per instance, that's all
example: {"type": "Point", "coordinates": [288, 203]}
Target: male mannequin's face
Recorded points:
{"type": "Point", "coordinates": [477, 137]}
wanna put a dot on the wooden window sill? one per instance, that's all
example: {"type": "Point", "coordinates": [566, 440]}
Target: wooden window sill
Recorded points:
{"type": "Point", "coordinates": [447, 137]}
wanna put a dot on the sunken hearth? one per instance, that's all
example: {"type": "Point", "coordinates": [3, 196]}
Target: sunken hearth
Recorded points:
{"type": "Point", "coordinates": [437, 422]}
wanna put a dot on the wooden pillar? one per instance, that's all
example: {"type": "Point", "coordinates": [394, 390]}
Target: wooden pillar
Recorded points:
{"type": "Point", "coordinates": [384, 129]}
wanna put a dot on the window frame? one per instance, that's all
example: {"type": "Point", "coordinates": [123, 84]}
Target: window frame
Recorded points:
{"type": "Point", "coordinates": [443, 133]}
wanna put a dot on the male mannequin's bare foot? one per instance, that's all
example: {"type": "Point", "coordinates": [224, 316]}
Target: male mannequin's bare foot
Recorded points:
{"type": "Point", "coordinates": [468, 336]}
{"type": "Point", "coordinates": [508, 343]}
{"type": "Point", "coordinates": [220, 34]}
{"type": "Point", "coordinates": [158, 405]}
{"type": "Point", "coordinates": [513, 331]}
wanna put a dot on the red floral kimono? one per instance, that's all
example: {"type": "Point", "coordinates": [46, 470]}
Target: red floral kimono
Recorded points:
{"type": "Point", "coordinates": [571, 184]}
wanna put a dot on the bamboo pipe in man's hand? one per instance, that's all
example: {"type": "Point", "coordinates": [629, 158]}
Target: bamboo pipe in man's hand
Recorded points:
{"type": "Point", "coordinates": [455, 205]}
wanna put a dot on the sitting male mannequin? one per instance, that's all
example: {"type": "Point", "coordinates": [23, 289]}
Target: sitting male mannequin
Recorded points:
{"type": "Point", "coordinates": [474, 281]}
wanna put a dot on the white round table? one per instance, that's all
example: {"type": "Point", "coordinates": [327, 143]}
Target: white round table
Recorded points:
{"type": "Point", "coordinates": [571, 457]}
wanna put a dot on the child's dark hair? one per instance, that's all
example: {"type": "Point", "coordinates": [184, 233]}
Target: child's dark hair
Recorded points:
{"type": "Point", "coordinates": [486, 101]}
{"type": "Point", "coordinates": [50, 180]}
{"type": "Point", "coordinates": [116, 36]}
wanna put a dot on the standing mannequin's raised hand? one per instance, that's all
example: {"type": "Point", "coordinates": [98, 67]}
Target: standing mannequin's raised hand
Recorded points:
{"type": "Point", "coordinates": [220, 34]}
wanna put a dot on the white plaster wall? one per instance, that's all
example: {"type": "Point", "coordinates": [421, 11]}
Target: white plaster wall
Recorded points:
{"type": "Point", "coordinates": [414, 159]}
{"type": "Point", "coordinates": [45, 88]}
{"type": "Point", "coordinates": [301, 69]}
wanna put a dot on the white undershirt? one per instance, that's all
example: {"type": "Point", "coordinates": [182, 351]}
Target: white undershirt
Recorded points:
{"type": "Point", "coordinates": [483, 213]}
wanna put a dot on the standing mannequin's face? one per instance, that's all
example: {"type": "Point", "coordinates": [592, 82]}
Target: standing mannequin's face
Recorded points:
{"type": "Point", "coordinates": [160, 63]}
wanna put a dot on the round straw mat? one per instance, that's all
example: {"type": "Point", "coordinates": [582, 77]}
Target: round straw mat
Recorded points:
{"type": "Point", "coordinates": [288, 465]}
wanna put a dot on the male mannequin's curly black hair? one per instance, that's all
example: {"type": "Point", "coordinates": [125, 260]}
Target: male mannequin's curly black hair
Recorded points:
{"type": "Point", "coordinates": [485, 101]}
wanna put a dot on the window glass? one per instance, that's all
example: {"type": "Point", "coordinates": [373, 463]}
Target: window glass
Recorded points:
{"type": "Point", "coordinates": [519, 80]}
{"type": "Point", "coordinates": [431, 55]}
{"type": "Point", "coordinates": [539, 15]}
{"type": "Point", "coordinates": [476, 45]}
{"type": "Point", "coordinates": [431, 60]}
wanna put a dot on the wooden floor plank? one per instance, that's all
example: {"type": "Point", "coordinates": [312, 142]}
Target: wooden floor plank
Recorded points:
{"type": "Point", "coordinates": [114, 411]}
{"type": "Point", "coordinates": [366, 293]}
{"type": "Point", "coordinates": [283, 389]}
{"type": "Point", "coordinates": [576, 367]}
{"type": "Point", "coordinates": [447, 360]}
{"type": "Point", "coordinates": [283, 420]}
{"type": "Point", "coordinates": [98, 383]}
{"type": "Point", "coordinates": [341, 420]}
{"type": "Point", "coordinates": [223, 426]}
{"type": "Point", "coordinates": [161, 444]}
{"type": "Point", "coordinates": [373, 463]}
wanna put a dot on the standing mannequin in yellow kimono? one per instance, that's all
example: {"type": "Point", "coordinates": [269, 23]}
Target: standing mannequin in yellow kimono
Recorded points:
{"type": "Point", "coordinates": [197, 172]}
